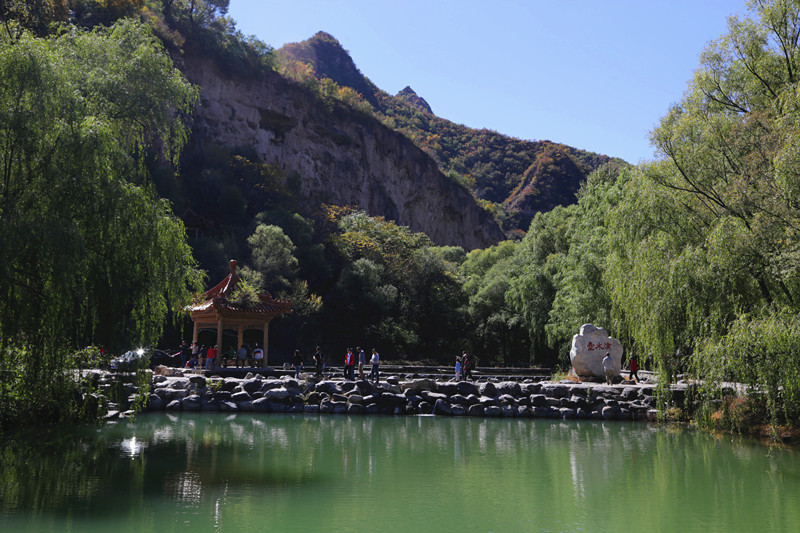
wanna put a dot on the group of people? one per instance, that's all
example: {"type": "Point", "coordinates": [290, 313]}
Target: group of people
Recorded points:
{"type": "Point", "coordinates": [349, 364]}
{"type": "Point", "coordinates": [464, 367]}
{"type": "Point", "coordinates": [198, 355]}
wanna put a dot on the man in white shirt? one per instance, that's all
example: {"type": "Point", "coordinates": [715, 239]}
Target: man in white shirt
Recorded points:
{"type": "Point", "coordinates": [258, 355]}
{"type": "Point", "coordinates": [608, 367]}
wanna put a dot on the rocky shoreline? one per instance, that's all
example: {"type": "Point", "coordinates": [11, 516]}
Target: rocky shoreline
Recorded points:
{"type": "Point", "coordinates": [409, 395]}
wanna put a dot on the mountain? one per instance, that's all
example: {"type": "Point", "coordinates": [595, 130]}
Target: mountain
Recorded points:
{"type": "Point", "coordinates": [331, 153]}
{"type": "Point", "coordinates": [514, 178]}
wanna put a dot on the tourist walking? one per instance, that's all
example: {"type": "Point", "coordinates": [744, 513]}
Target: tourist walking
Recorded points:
{"type": "Point", "coordinates": [186, 353]}
{"type": "Point", "coordinates": [318, 363]}
{"type": "Point", "coordinates": [349, 362]}
{"type": "Point", "coordinates": [362, 360]}
{"type": "Point", "coordinates": [375, 360]}
{"type": "Point", "coordinates": [241, 355]}
{"type": "Point", "coordinates": [211, 356]}
{"type": "Point", "coordinates": [608, 368]}
{"type": "Point", "coordinates": [634, 366]}
{"type": "Point", "coordinates": [458, 368]}
{"type": "Point", "coordinates": [258, 356]}
{"type": "Point", "coordinates": [297, 361]}
{"type": "Point", "coordinates": [466, 366]}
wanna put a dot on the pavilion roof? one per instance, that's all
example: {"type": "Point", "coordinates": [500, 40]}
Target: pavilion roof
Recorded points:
{"type": "Point", "coordinates": [217, 298]}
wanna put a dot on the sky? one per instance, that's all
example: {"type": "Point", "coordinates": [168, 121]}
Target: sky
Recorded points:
{"type": "Point", "coordinates": [593, 74]}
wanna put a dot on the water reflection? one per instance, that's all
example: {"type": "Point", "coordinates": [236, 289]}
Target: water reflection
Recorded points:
{"type": "Point", "coordinates": [242, 470]}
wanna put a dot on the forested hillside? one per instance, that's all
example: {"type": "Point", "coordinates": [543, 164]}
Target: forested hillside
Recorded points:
{"type": "Point", "coordinates": [692, 260]}
{"type": "Point", "coordinates": [515, 179]}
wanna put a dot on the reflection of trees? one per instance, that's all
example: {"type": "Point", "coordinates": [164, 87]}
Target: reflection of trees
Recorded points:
{"type": "Point", "coordinates": [205, 461]}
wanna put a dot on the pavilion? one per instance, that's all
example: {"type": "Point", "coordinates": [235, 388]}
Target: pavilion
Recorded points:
{"type": "Point", "coordinates": [215, 310]}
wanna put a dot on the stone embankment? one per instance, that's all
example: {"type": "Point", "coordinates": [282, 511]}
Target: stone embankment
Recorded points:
{"type": "Point", "coordinates": [396, 396]}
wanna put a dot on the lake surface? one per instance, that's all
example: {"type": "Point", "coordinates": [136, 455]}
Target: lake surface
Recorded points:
{"type": "Point", "coordinates": [212, 472]}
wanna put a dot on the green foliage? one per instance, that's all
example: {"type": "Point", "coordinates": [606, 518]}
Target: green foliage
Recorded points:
{"type": "Point", "coordinates": [90, 252]}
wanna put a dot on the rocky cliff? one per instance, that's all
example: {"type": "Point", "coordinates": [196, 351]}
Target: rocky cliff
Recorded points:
{"type": "Point", "coordinates": [335, 155]}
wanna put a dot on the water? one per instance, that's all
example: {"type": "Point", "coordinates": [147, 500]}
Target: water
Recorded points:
{"type": "Point", "coordinates": [212, 472]}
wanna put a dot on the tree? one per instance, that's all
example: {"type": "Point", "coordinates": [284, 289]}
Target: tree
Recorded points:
{"type": "Point", "coordinates": [272, 254]}
{"type": "Point", "coordinates": [90, 253]}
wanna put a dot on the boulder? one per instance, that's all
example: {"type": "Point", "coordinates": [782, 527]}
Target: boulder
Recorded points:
{"type": "Point", "coordinates": [487, 389]}
{"type": "Point", "coordinates": [261, 405]}
{"type": "Point", "coordinates": [241, 397]}
{"type": "Point", "coordinates": [465, 388]}
{"type": "Point", "coordinates": [509, 387]}
{"type": "Point", "coordinates": [589, 347]}
{"type": "Point", "coordinates": [493, 411]}
{"type": "Point", "coordinates": [458, 410]}
{"type": "Point", "coordinates": [191, 403]}
{"type": "Point", "coordinates": [475, 410]}
{"type": "Point", "coordinates": [441, 407]}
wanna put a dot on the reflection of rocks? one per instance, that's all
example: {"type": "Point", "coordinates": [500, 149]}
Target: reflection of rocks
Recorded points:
{"type": "Point", "coordinates": [589, 347]}
{"type": "Point", "coordinates": [485, 398]}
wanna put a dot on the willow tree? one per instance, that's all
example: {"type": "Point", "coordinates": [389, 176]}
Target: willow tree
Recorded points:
{"type": "Point", "coordinates": [90, 253]}
{"type": "Point", "coordinates": [709, 231]}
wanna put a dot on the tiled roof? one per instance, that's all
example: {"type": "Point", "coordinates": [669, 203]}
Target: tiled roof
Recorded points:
{"type": "Point", "coordinates": [217, 298]}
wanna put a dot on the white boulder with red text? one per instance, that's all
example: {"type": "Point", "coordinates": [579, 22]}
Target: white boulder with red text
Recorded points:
{"type": "Point", "coordinates": [589, 347]}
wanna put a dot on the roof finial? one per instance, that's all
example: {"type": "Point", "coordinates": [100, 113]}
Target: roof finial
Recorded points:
{"type": "Point", "coordinates": [233, 266]}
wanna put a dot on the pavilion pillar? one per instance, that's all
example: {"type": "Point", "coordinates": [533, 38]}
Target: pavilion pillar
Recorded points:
{"type": "Point", "coordinates": [266, 341]}
{"type": "Point", "coordinates": [241, 337]}
{"type": "Point", "coordinates": [195, 331]}
{"type": "Point", "coordinates": [219, 341]}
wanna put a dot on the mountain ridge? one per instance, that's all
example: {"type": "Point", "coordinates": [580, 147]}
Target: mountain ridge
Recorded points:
{"type": "Point", "coordinates": [494, 166]}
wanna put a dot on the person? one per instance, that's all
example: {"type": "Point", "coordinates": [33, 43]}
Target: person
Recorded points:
{"type": "Point", "coordinates": [258, 356]}
{"type": "Point", "coordinates": [241, 355]}
{"type": "Point", "coordinates": [196, 349]}
{"type": "Point", "coordinates": [297, 361]}
{"type": "Point", "coordinates": [608, 368]}
{"type": "Point", "coordinates": [211, 357]}
{"type": "Point", "coordinates": [375, 360]}
{"type": "Point", "coordinates": [186, 352]}
{"type": "Point", "coordinates": [634, 365]}
{"type": "Point", "coordinates": [362, 360]}
{"type": "Point", "coordinates": [458, 368]}
{"type": "Point", "coordinates": [466, 366]}
{"type": "Point", "coordinates": [192, 362]}
{"type": "Point", "coordinates": [318, 363]}
{"type": "Point", "coordinates": [349, 370]}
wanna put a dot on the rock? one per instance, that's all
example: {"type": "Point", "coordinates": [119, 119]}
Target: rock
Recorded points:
{"type": "Point", "coordinates": [492, 411]}
{"type": "Point", "coordinates": [420, 385]}
{"type": "Point", "coordinates": [241, 397]}
{"type": "Point", "coordinates": [355, 409]}
{"type": "Point", "coordinates": [191, 403]}
{"type": "Point", "coordinates": [433, 397]}
{"type": "Point", "coordinates": [311, 409]}
{"type": "Point", "coordinates": [544, 412]}
{"type": "Point", "coordinates": [630, 393]}
{"type": "Point", "coordinates": [458, 410]}
{"type": "Point", "coordinates": [538, 400]}
{"type": "Point", "coordinates": [509, 411]}
{"type": "Point", "coordinates": [608, 413]}
{"type": "Point", "coordinates": [271, 384]}
{"type": "Point", "coordinates": [261, 405]}
{"type": "Point", "coordinates": [154, 403]}
{"type": "Point", "coordinates": [223, 395]}
{"type": "Point", "coordinates": [506, 399]}
{"type": "Point", "coordinates": [339, 408]}
{"type": "Point", "coordinates": [532, 388]}
{"type": "Point", "coordinates": [228, 407]}
{"type": "Point", "coordinates": [486, 401]}
{"type": "Point", "coordinates": [555, 391]}
{"type": "Point", "coordinates": [252, 385]}
{"type": "Point", "coordinates": [355, 399]}
{"type": "Point", "coordinates": [476, 410]}
{"type": "Point", "coordinates": [448, 388]}
{"type": "Point", "coordinates": [425, 408]}
{"type": "Point", "coordinates": [392, 380]}
{"type": "Point", "coordinates": [523, 411]}
{"type": "Point", "coordinates": [511, 388]}
{"type": "Point", "coordinates": [372, 409]}
{"type": "Point", "coordinates": [277, 395]}
{"type": "Point", "coordinates": [441, 407]}
{"type": "Point", "coordinates": [589, 348]}
{"type": "Point", "coordinates": [466, 388]}
{"type": "Point", "coordinates": [198, 381]}
{"type": "Point", "coordinates": [245, 405]}
{"type": "Point", "coordinates": [487, 389]}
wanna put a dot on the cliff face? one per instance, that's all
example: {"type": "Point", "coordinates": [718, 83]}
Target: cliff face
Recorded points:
{"type": "Point", "coordinates": [332, 154]}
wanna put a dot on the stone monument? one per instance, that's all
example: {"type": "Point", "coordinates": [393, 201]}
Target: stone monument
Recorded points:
{"type": "Point", "coordinates": [589, 347]}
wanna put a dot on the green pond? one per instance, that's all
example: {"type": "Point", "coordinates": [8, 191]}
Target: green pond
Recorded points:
{"type": "Point", "coordinates": [212, 472]}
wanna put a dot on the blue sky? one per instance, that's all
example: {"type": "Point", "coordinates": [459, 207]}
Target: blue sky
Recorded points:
{"type": "Point", "coordinates": [593, 74]}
